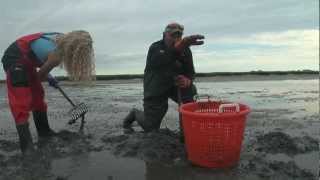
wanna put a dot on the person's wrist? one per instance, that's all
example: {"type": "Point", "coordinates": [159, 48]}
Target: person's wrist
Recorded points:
{"type": "Point", "coordinates": [55, 63]}
{"type": "Point", "coordinates": [180, 46]}
{"type": "Point", "coordinates": [53, 60]}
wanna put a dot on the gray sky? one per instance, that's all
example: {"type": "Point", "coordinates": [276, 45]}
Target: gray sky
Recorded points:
{"type": "Point", "coordinates": [241, 35]}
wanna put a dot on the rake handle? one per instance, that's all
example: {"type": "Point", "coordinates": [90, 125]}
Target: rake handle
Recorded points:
{"type": "Point", "coordinates": [65, 95]}
{"type": "Point", "coordinates": [180, 114]}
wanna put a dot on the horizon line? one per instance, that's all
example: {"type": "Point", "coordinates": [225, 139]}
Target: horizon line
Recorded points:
{"type": "Point", "coordinates": [200, 74]}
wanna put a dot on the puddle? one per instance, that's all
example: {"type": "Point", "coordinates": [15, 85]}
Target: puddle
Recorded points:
{"type": "Point", "coordinates": [98, 166]}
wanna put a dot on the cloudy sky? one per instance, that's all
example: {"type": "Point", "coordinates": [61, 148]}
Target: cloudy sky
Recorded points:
{"type": "Point", "coordinates": [241, 35]}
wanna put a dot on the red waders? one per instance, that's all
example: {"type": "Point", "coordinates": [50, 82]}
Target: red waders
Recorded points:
{"type": "Point", "coordinates": [25, 92]}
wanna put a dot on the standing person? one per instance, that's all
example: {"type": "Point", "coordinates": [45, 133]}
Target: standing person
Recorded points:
{"type": "Point", "coordinates": [169, 69]}
{"type": "Point", "coordinates": [28, 61]}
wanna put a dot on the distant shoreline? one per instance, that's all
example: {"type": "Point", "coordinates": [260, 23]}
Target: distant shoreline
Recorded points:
{"type": "Point", "coordinates": [219, 76]}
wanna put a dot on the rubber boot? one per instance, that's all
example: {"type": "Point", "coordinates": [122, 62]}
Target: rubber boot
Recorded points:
{"type": "Point", "coordinates": [128, 120]}
{"type": "Point", "coordinates": [137, 115]}
{"type": "Point", "coordinates": [25, 139]}
{"type": "Point", "coordinates": [42, 124]}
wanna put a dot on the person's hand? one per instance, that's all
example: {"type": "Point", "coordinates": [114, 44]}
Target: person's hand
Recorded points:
{"type": "Point", "coordinates": [52, 81]}
{"type": "Point", "coordinates": [182, 81]}
{"type": "Point", "coordinates": [194, 39]}
{"type": "Point", "coordinates": [189, 41]}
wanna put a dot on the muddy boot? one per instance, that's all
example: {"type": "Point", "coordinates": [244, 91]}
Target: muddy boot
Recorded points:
{"type": "Point", "coordinates": [42, 125]}
{"type": "Point", "coordinates": [25, 139]}
{"type": "Point", "coordinates": [128, 120]}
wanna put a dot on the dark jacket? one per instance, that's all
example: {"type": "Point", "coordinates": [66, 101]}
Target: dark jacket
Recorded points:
{"type": "Point", "coordinates": [162, 66]}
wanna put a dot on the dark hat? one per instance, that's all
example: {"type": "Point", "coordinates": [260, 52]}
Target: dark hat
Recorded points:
{"type": "Point", "coordinates": [174, 27]}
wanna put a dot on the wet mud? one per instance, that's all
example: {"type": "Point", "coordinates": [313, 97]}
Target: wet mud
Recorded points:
{"type": "Point", "coordinates": [160, 146]}
{"type": "Point", "coordinates": [8, 146]}
{"type": "Point", "coordinates": [279, 142]}
{"type": "Point", "coordinates": [163, 147]}
{"type": "Point", "coordinates": [274, 170]}
{"type": "Point", "coordinates": [37, 165]}
{"type": "Point", "coordinates": [281, 139]}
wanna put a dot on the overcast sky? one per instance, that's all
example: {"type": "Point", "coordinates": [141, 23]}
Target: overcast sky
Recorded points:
{"type": "Point", "coordinates": [241, 35]}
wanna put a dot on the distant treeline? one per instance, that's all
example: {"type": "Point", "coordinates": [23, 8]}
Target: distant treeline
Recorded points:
{"type": "Point", "coordinates": [140, 76]}
{"type": "Point", "coordinates": [256, 73]}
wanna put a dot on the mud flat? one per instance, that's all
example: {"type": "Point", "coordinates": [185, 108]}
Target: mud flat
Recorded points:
{"type": "Point", "coordinates": [281, 139]}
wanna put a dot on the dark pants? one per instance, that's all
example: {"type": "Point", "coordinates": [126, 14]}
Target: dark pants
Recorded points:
{"type": "Point", "coordinates": [155, 108]}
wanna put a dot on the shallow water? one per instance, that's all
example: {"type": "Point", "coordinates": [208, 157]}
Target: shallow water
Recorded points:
{"type": "Point", "coordinates": [288, 106]}
{"type": "Point", "coordinates": [94, 166]}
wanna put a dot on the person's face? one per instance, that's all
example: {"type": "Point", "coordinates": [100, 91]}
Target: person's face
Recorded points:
{"type": "Point", "coordinates": [171, 38]}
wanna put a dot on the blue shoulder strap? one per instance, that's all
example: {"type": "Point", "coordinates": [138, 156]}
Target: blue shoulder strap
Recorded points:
{"type": "Point", "coordinates": [45, 35]}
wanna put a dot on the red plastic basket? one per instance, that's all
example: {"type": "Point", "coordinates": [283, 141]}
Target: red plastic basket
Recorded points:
{"type": "Point", "coordinates": [213, 132]}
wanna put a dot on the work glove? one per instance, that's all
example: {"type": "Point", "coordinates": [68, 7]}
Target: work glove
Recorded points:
{"type": "Point", "coordinates": [52, 81]}
{"type": "Point", "coordinates": [187, 41]}
{"type": "Point", "coordinates": [182, 81]}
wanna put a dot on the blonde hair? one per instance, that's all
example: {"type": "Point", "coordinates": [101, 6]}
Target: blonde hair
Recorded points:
{"type": "Point", "coordinates": [76, 53]}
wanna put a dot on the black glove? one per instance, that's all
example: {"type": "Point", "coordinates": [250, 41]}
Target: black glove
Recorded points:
{"type": "Point", "coordinates": [52, 81]}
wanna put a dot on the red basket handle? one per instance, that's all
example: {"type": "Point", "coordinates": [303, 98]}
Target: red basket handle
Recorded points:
{"type": "Point", "coordinates": [222, 106]}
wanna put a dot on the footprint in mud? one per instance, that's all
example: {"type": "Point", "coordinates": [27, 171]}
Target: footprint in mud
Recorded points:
{"type": "Point", "coordinates": [279, 142]}
{"type": "Point", "coordinates": [162, 145]}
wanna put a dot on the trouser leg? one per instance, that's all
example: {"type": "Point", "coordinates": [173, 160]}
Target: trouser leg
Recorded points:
{"type": "Point", "coordinates": [42, 124]}
{"type": "Point", "coordinates": [154, 111]}
{"type": "Point", "coordinates": [25, 138]}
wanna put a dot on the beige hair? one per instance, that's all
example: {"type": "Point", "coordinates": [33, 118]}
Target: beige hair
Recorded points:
{"type": "Point", "coordinates": [76, 53]}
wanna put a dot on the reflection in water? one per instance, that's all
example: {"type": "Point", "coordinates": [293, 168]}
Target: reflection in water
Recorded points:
{"type": "Point", "coordinates": [36, 166]}
{"type": "Point", "coordinates": [98, 166]}
{"type": "Point", "coordinates": [158, 171]}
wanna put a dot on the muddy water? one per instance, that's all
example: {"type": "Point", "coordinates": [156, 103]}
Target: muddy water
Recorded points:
{"type": "Point", "coordinates": [281, 136]}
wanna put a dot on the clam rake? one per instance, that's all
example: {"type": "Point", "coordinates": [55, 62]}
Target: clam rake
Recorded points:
{"type": "Point", "coordinates": [76, 111]}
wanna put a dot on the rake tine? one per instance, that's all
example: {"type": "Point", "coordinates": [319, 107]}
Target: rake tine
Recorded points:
{"type": "Point", "coordinates": [78, 111]}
